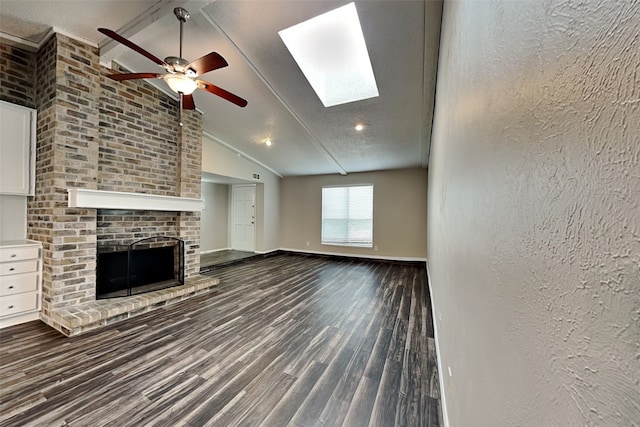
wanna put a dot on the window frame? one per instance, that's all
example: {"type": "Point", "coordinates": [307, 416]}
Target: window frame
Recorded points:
{"type": "Point", "coordinates": [322, 217]}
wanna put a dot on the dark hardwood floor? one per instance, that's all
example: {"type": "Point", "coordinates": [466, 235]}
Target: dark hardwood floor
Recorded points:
{"type": "Point", "coordinates": [284, 340]}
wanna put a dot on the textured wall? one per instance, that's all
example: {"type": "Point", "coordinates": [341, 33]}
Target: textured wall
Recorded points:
{"type": "Point", "coordinates": [534, 212]}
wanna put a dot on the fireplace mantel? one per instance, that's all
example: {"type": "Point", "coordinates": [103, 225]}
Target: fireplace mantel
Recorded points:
{"type": "Point", "coordinates": [100, 199]}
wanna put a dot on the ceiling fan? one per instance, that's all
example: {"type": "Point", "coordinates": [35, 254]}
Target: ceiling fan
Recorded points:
{"type": "Point", "coordinates": [181, 74]}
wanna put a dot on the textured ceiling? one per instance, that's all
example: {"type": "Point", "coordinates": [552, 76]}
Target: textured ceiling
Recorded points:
{"type": "Point", "coordinates": [401, 36]}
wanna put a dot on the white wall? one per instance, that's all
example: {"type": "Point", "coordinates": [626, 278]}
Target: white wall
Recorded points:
{"type": "Point", "coordinates": [220, 160]}
{"type": "Point", "coordinates": [214, 220]}
{"type": "Point", "coordinates": [534, 213]}
{"type": "Point", "coordinates": [399, 213]}
{"type": "Point", "coordinates": [13, 217]}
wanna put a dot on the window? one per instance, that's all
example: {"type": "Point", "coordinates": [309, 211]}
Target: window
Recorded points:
{"type": "Point", "coordinates": [347, 215]}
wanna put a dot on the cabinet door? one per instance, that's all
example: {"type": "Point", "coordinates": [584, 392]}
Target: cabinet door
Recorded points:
{"type": "Point", "coordinates": [16, 161]}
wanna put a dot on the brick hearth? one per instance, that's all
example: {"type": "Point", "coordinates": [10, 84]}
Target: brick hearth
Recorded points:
{"type": "Point", "coordinates": [91, 315]}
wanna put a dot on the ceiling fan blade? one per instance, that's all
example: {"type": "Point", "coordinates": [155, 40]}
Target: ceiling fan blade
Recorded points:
{"type": "Point", "coordinates": [221, 93]}
{"type": "Point", "coordinates": [187, 102]}
{"type": "Point", "coordinates": [117, 37]}
{"type": "Point", "coordinates": [209, 62]}
{"type": "Point", "coordinates": [133, 76]}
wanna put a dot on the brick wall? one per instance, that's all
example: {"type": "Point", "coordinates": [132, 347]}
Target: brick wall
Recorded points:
{"type": "Point", "coordinates": [189, 185]}
{"type": "Point", "coordinates": [40, 208]}
{"type": "Point", "coordinates": [95, 133]}
{"type": "Point", "coordinates": [143, 150]}
{"type": "Point", "coordinates": [122, 227]}
{"type": "Point", "coordinates": [138, 138]}
{"type": "Point", "coordinates": [17, 76]}
{"type": "Point", "coordinates": [67, 140]}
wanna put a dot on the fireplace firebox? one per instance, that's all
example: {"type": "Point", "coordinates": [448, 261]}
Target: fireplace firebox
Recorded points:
{"type": "Point", "coordinates": [146, 265]}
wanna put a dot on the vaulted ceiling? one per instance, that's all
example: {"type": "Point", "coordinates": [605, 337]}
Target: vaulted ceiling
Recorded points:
{"type": "Point", "coordinates": [402, 38]}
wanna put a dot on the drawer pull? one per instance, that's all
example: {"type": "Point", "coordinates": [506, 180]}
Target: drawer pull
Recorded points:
{"type": "Point", "coordinates": [10, 307]}
{"type": "Point", "coordinates": [13, 255]}
{"type": "Point", "coordinates": [10, 287]}
{"type": "Point", "coordinates": [11, 269]}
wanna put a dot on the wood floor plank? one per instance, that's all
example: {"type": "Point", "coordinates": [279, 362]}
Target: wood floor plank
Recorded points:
{"type": "Point", "coordinates": [259, 399]}
{"type": "Point", "coordinates": [408, 403]}
{"type": "Point", "coordinates": [311, 408]}
{"type": "Point", "coordinates": [283, 340]}
{"type": "Point", "coordinates": [284, 410]}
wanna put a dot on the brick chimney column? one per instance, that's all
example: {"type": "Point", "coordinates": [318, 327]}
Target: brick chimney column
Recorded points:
{"type": "Point", "coordinates": [189, 185]}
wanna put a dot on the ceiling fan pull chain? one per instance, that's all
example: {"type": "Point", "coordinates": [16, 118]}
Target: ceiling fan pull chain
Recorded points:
{"type": "Point", "coordinates": [181, 106]}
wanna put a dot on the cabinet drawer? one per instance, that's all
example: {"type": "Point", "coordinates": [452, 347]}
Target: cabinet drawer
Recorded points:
{"type": "Point", "coordinates": [18, 283]}
{"type": "Point", "coordinates": [18, 254]}
{"type": "Point", "coordinates": [16, 304]}
{"type": "Point", "coordinates": [18, 267]}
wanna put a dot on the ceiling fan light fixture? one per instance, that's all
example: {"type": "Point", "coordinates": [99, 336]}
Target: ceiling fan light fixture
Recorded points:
{"type": "Point", "coordinates": [180, 83]}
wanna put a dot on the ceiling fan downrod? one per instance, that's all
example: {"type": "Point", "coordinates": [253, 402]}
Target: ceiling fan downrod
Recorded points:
{"type": "Point", "coordinates": [183, 16]}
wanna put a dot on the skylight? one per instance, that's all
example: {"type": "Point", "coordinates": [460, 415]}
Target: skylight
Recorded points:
{"type": "Point", "coordinates": [331, 52]}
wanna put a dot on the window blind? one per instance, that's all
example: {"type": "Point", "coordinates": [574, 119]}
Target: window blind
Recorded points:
{"type": "Point", "coordinates": [347, 215]}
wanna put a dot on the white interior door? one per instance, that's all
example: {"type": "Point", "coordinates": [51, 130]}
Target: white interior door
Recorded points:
{"type": "Point", "coordinates": [243, 230]}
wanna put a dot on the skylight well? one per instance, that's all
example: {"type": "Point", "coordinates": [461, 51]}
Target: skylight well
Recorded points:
{"type": "Point", "coordinates": [331, 52]}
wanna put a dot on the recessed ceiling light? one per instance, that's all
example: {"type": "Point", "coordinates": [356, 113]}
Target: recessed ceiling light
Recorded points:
{"type": "Point", "coordinates": [267, 142]}
{"type": "Point", "coordinates": [331, 52]}
{"type": "Point", "coordinates": [359, 127]}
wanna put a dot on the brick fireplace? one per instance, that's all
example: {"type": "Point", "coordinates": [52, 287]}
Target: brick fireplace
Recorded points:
{"type": "Point", "coordinates": [97, 134]}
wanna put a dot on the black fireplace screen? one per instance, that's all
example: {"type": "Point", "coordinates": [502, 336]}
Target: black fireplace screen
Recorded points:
{"type": "Point", "coordinates": [145, 265]}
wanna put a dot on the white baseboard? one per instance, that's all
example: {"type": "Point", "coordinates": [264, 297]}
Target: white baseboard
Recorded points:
{"type": "Point", "coordinates": [210, 251]}
{"type": "Point", "coordinates": [20, 318]}
{"type": "Point", "coordinates": [371, 256]}
{"type": "Point", "coordinates": [443, 400]}
{"type": "Point", "coordinates": [265, 252]}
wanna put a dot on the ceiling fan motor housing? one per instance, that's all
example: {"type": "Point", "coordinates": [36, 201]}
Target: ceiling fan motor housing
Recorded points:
{"type": "Point", "coordinates": [180, 65]}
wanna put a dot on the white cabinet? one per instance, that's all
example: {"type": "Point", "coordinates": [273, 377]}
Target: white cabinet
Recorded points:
{"type": "Point", "coordinates": [17, 149]}
{"type": "Point", "coordinates": [20, 281]}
